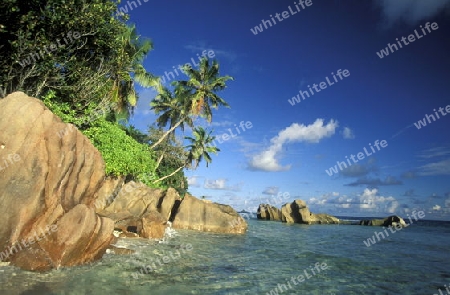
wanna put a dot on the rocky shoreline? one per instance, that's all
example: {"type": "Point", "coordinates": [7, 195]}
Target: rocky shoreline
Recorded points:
{"type": "Point", "coordinates": [59, 182]}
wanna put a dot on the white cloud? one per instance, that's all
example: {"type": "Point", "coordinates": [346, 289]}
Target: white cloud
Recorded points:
{"type": "Point", "coordinates": [434, 152]}
{"type": "Point", "coordinates": [143, 104]}
{"type": "Point", "coordinates": [193, 181]}
{"type": "Point", "coordinates": [313, 133]}
{"type": "Point", "coordinates": [447, 203]}
{"type": "Point", "coordinates": [221, 184]}
{"type": "Point", "coordinates": [436, 168]}
{"type": "Point", "coordinates": [271, 190]}
{"type": "Point", "coordinates": [367, 202]}
{"type": "Point", "coordinates": [410, 11]}
{"type": "Point", "coordinates": [221, 124]}
{"type": "Point", "coordinates": [200, 46]}
{"type": "Point", "coordinates": [347, 133]}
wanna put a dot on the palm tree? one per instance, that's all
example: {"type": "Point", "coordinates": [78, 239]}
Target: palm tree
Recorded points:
{"type": "Point", "coordinates": [128, 70]}
{"type": "Point", "coordinates": [199, 148]}
{"type": "Point", "coordinates": [204, 83]}
{"type": "Point", "coordinates": [175, 109]}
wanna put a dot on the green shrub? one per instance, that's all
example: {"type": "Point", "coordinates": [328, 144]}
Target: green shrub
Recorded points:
{"type": "Point", "coordinates": [123, 155]}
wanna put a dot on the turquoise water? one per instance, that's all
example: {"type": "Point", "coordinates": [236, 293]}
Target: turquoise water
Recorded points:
{"type": "Point", "coordinates": [415, 260]}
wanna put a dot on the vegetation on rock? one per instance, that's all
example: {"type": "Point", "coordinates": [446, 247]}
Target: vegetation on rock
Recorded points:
{"type": "Point", "coordinates": [90, 80]}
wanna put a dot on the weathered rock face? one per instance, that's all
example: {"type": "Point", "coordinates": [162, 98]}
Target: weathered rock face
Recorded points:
{"type": "Point", "coordinates": [146, 211]}
{"type": "Point", "coordinates": [209, 217]}
{"type": "Point", "coordinates": [298, 212]}
{"type": "Point", "coordinates": [268, 212]}
{"type": "Point", "coordinates": [108, 192]}
{"type": "Point", "coordinates": [153, 225]}
{"type": "Point", "coordinates": [142, 210]}
{"type": "Point", "coordinates": [48, 171]}
{"type": "Point", "coordinates": [393, 220]}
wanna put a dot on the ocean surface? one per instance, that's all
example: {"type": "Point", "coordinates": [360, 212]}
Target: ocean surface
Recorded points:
{"type": "Point", "coordinates": [272, 258]}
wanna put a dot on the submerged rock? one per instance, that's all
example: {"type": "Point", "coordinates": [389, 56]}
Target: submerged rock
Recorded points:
{"type": "Point", "coordinates": [392, 220]}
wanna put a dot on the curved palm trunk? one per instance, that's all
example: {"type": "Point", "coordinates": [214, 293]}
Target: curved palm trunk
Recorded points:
{"type": "Point", "coordinates": [159, 160]}
{"type": "Point", "coordinates": [167, 176]}
{"type": "Point", "coordinates": [167, 133]}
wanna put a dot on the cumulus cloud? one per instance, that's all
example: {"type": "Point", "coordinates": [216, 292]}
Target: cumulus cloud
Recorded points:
{"type": "Point", "coordinates": [193, 181]}
{"type": "Point", "coordinates": [447, 201]}
{"type": "Point", "coordinates": [368, 201]}
{"type": "Point", "coordinates": [313, 133]}
{"type": "Point", "coordinates": [324, 199]}
{"type": "Point", "coordinates": [410, 11]}
{"type": "Point", "coordinates": [221, 184]}
{"type": "Point", "coordinates": [347, 133]}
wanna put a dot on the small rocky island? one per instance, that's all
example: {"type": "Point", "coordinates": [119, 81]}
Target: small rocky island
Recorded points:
{"type": "Point", "coordinates": [295, 212]}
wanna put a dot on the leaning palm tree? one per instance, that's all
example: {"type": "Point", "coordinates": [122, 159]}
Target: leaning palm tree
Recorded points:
{"type": "Point", "coordinates": [199, 149]}
{"type": "Point", "coordinates": [129, 70]}
{"type": "Point", "coordinates": [174, 108]}
{"type": "Point", "coordinates": [203, 84]}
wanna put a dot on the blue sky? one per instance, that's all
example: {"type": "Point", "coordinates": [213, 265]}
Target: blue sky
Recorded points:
{"type": "Point", "coordinates": [289, 147]}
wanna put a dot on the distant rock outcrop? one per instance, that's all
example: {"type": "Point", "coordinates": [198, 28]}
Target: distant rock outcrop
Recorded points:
{"type": "Point", "coordinates": [393, 220]}
{"type": "Point", "coordinates": [295, 212]}
{"type": "Point", "coordinates": [298, 212]}
{"type": "Point", "coordinates": [49, 180]}
{"type": "Point", "coordinates": [268, 212]}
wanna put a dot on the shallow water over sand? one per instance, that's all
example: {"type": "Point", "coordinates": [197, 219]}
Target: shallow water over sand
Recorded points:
{"type": "Point", "coordinates": [415, 260]}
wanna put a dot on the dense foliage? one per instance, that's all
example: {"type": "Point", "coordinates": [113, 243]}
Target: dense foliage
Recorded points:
{"type": "Point", "coordinates": [84, 61]}
{"type": "Point", "coordinates": [122, 154]}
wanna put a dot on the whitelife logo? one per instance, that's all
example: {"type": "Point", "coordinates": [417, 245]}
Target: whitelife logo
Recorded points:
{"type": "Point", "coordinates": [285, 14]}
{"type": "Point", "coordinates": [423, 123]}
{"type": "Point", "coordinates": [411, 38]}
{"type": "Point", "coordinates": [398, 227]}
{"type": "Point", "coordinates": [52, 47]}
{"type": "Point", "coordinates": [340, 73]}
{"type": "Point", "coordinates": [360, 156]}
